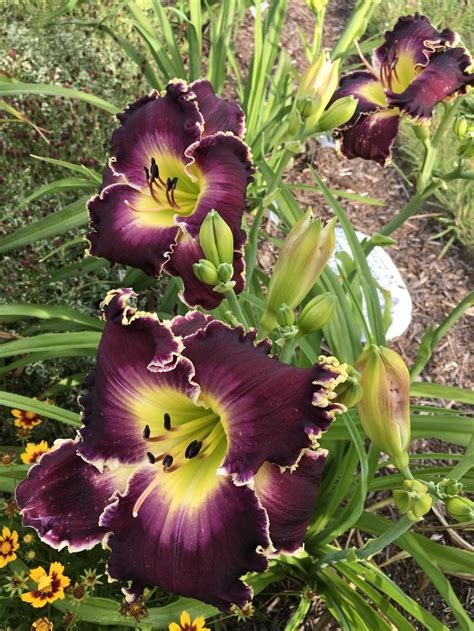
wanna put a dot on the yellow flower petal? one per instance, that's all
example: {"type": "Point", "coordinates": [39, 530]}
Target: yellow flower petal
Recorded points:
{"type": "Point", "coordinates": [37, 573]}
{"type": "Point", "coordinates": [185, 619]}
{"type": "Point", "coordinates": [199, 623]}
{"type": "Point", "coordinates": [174, 627]}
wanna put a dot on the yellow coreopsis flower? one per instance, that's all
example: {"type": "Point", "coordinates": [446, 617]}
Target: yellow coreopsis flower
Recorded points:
{"type": "Point", "coordinates": [8, 546]}
{"type": "Point", "coordinates": [185, 623]}
{"type": "Point", "coordinates": [50, 586]}
{"type": "Point", "coordinates": [26, 420]}
{"type": "Point", "coordinates": [42, 624]}
{"type": "Point", "coordinates": [33, 452]}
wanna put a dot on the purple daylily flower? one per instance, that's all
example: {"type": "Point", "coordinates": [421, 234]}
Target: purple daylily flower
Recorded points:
{"type": "Point", "coordinates": [197, 459]}
{"type": "Point", "coordinates": [416, 68]}
{"type": "Point", "coordinates": [176, 156]}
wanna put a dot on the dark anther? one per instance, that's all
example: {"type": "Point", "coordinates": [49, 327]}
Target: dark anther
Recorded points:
{"type": "Point", "coordinates": [167, 421]}
{"type": "Point", "coordinates": [146, 432]}
{"type": "Point", "coordinates": [154, 171]}
{"type": "Point", "coordinates": [169, 184]}
{"type": "Point", "coordinates": [147, 174]}
{"type": "Point", "coordinates": [174, 183]}
{"type": "Point", "coordinates": [167, 461]}
{"type": "Point", "coordinates": [193, 449]}
{"type": "Point", "coordinates": [151, 457]}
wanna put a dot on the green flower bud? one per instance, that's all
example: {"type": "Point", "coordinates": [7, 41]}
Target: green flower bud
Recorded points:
{"type": "Point", "coordinates": [206, 272]}
{"type": "Point", "coordinates": [414, 499]}
{"type": "Point", "coordinates": [316, 6]}
{"type": "Point", "coordinates": [285, 316]}
{"type": "Point", "coordinates": [317, 313]}
{"type": "Point", "coordinates": [460, 126]}
{"type": "Point", "coordinates": [384, 408]}
{"type": "Point", "coordinates": [216, 239]}
{"type": "Point", "coordinates": [466, 148]}
{"type": "Point", "coordinates": [316, 88]}
{"type": "Point", "coordinates": [422, 131]}
{"type": "Point", "coordinates": [306, 106]}
{"type": "Point", "coordinates": [303, 256]}
{"type": "Point", "coordinates": [225, 271]}
{"type": "Point", "coordinates": [449, 487]}
{"type": "Point", "coordinates": [349, 392]}
{"type": "Point", "coordinates": [461, 508]}
{"type": "Point", "coordinates": [338, 113]}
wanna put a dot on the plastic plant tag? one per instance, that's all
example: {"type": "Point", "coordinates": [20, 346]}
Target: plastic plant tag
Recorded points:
{"type": "Point", "coordinates": [386, 274]}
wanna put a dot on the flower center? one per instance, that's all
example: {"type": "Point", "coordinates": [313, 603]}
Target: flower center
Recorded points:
{"type": "Point", "coordinates": [188, 443]}
{"type": "Point", "coordinates": [397, 70]}
{"type": "Point", "coordinates": [6, 547]}
{"type": "Point", "coordinates": [170, 190]}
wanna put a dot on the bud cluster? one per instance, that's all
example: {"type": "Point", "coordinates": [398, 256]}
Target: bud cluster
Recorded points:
{"type": "Point", "coordinates": [217, 243]}
{"type": "Point", "coordinates": [413, 499]}
{"type": "Point", "coordinates": [302, 258]}
{"type": "Point", "coordinates": [310, 113]}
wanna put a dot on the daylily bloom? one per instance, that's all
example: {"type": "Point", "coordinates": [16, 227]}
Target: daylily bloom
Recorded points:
{"type": "Point", "coordinates": [415, 69]}
{"type": "Point", "coordinates": [8, 546]}
{"type": "Point", "coordinates": [197, 459]}
{"type": "Point", "coordinates": [50, 585]}
{"type": "Point", "coordinates": [26, 420]}
{"type": "Point", "coordinates": [176, 156]}
{"type": "Point", "coordinates": [34, 451]}
{"type": "Point", "coordinates": [185, 623]}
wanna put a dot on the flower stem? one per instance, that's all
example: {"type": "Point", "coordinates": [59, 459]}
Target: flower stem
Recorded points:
{"type": "Point", "coordinates": [235, 306]}
{"type": "Point", "coordinates": [288, 350]}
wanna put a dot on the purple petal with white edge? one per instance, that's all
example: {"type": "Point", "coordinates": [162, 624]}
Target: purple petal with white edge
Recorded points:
{"type": "Point", "coordinates": [372, 136]}
{"type": "Point", "coordinates": [219, 114]}
{"type": "Point", "coordinates": [268, 410]}
{"type": "Point", "coordinates": [366, 88]}
{"type": "Point", "coordinates": [139, 377]}
{"type": "Point", "coordinates": [289, 497]}
{"type": "Point", "coordinates": [190, 323]}
{"type": "Point", "coordinates": [224, 162]}
{"type": "Point", "coordinates": [194, 535]}
{"type": "Point", "coordinates": [444, 76]}
{"type": "Point", "coordinates": [64, 496]}
{"type": "Point", "coordinates": [414, 37]}
{"type": "Point", "coordinates": [156, 126]}
{"type": "Point", "coordinates": [122, 233]}
{"type": "Point", "coordinates": [187, 252]}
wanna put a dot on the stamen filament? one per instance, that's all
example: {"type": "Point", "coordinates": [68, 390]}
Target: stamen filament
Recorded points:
{"type": "Point", "coordinates": [138, 504]}
{"type": "Point", "coordinates": [368, 65]}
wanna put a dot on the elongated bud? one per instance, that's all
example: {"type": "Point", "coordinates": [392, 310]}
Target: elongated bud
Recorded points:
{"type": "Point", "coordinates": [303, 256]}
{"type": "Point", "coordinates": [316, 88]}
{"type": "Point", "coordinates": [317, 313]}
{"type": "Point", "coordinates": [337, 114]}
{"type": "Point", "coordinates": [349, 393]}
{"type": "Point", "coordinates": [216, 239]}
{"type": "Point", "coordinates": [285, 316]}
{"type": "Point", "coordinates": [206, 272]}
{"type": "Point", "coordinates": [384, 408]}
{"type": "Point", "coordinates": [414, 499]}
{"type": "Point", "coordinates": [460, 508]}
